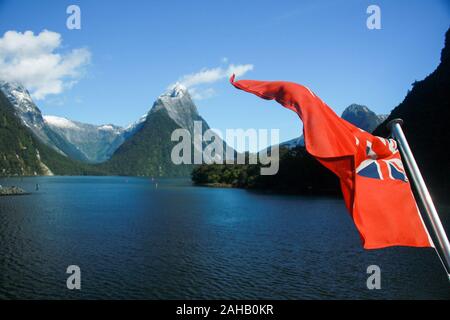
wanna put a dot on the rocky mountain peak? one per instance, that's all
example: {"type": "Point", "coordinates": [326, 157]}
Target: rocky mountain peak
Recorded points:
{"type": "Point", "coordinates": [179, 106]}
{"type": "Point", "coordinates": [25, 109]}
{"type": "Point", "coordinates": [362, 117]}
{"type": "Point", "coordinates": [175, 91]}
{"type": "Point", "coordinates": [19, 97]}
{"type": "Point", "coordinates": [353, 108]}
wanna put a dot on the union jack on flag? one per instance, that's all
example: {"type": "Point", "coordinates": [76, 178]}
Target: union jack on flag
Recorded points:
{"type": "Point", "coordinates": [390, 168]}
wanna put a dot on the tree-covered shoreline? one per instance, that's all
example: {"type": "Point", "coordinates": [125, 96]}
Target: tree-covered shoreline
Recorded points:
{"type": "Point", "coordinates": [299, 173]}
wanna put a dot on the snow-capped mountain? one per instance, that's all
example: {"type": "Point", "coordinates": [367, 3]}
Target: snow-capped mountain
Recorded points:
{"type": "Point", "coordinates": [30, 115]}
{"type": "Point", "coordinates": [23, 153]}
{"type": "Point", "coordinates": [359, 115]}
{"type": "Point", "coordinates": [74, 139]}
{"type": "Point", "coordinates": [148, 151]}
{"type": "Point", "coordinates": [80, 141]}
{"type": "Point", "coordinates": [96, 142]}
{"type": "Point", "coordinates": [179, 106]}
{"type": "Point", "coordinates": [26, 110]}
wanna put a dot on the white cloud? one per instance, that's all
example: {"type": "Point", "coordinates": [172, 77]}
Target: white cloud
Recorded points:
{"type": "Point", "coordinates": [214, 74]}
{"type": "Point", "coordinates": [32, 60]}
{"type": "Point", "coordinates": [205, 76]}
{"type": "Point", "coordinates": [201, 94]}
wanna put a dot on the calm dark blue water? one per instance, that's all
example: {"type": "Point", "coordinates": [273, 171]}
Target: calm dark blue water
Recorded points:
{"type": "Point", "coordinates": [134, 240]}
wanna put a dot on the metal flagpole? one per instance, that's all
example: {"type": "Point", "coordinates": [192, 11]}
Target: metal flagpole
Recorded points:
{"type": "Point", "coordinates": [395, 127]}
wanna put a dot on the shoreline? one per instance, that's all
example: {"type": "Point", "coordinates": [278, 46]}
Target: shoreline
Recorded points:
{"type": "Point", "coordinates": [13, 191]}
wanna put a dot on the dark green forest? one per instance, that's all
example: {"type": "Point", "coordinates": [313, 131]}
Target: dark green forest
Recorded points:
{"type": "Point", "coordinates": [148, 152]}
{"type": "Point", "coordinates": [298, 173]}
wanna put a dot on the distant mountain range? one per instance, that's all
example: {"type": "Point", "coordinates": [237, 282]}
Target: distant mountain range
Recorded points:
{"type": "Point", "coordinates": [23, 153]}
{"type": "Point", "coordinates": [359, 115]}
{"type": "Point", "coordinates": [144, 147]}
{"type": "Point", "coordinates": [96, 143]}
{"type": "Point", "coordinates": [141, 149]}
{"type": "Point", "coordinates": [80, 141]}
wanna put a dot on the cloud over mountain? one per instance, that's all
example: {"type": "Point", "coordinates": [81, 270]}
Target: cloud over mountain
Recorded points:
{"type": "Point", "coordinates": [35, 61]}
{"type": "Point", "coordinates": [196, 81]}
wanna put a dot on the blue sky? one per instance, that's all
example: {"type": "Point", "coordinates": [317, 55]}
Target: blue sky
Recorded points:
{"type": "Point", "coordinates": [138, 48]}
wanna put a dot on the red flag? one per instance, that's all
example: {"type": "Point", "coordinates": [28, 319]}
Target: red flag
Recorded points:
{"type": "Point", "coordinates": [374, 184]}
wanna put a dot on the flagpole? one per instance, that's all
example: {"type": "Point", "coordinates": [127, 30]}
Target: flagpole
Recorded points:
{"type": "Point", "coordinates": [395, 127]}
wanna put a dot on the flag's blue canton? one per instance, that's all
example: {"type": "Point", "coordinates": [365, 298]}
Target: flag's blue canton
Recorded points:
{"type": "Point", "coordinates": [373, 167]}
{"type": "Point", "coordinates": [371, 171]}
{"type": "Point", "coordinates": [396, 173]}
